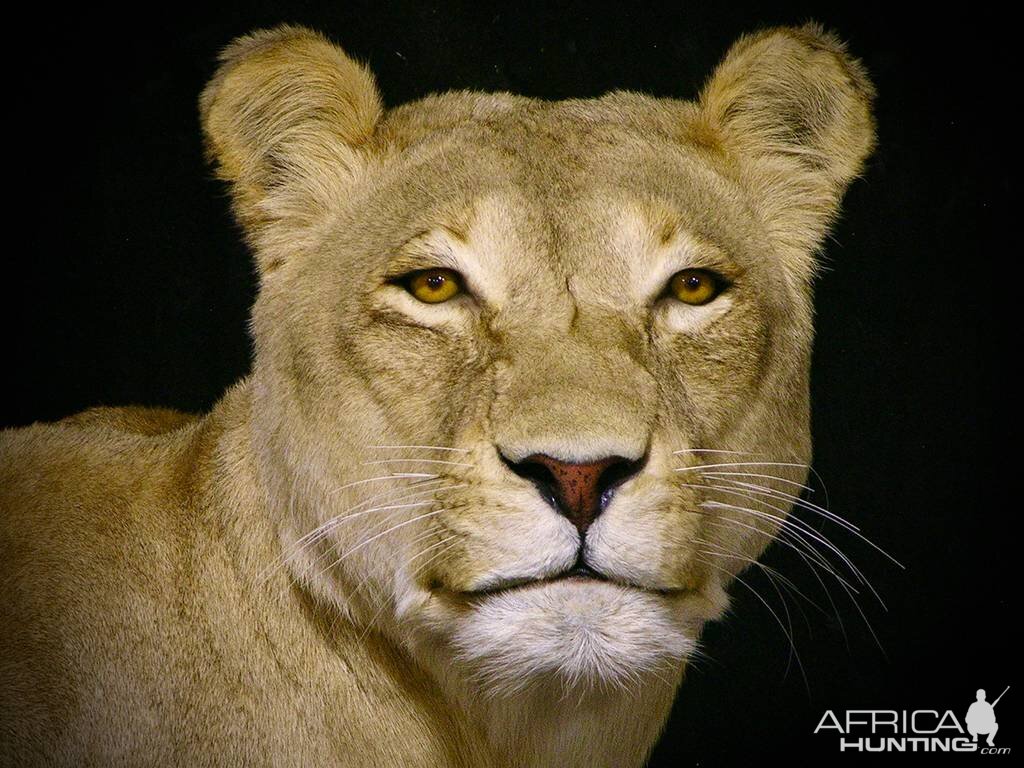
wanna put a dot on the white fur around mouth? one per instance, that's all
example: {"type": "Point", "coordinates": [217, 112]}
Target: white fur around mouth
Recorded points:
{"type": "Point", "coordinates": [576, 636]}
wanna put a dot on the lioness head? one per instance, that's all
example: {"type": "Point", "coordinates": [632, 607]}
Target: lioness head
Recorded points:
{"type": "Point", "coordinates": [531, 378]}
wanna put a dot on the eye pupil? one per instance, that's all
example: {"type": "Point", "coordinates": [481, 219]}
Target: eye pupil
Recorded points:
{"type": "Point", "coordinates": [436, 281]}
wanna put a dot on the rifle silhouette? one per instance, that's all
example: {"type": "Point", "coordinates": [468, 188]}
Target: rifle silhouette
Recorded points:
{"type": "Point", "coordinates": [1000, 696]}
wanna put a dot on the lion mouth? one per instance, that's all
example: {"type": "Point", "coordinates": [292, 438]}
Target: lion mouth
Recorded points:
{"type": "Point", "coordinates": [580, 573]}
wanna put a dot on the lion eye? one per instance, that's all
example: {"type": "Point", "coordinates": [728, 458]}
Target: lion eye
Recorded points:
{"type": "Point", "coordinates": [433, 286]}
{"type": "Point", "coordinates": [696, 286]}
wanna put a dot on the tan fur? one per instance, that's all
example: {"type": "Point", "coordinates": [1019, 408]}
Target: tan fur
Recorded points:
{"type": "Point", "coordinates": [162, 601]}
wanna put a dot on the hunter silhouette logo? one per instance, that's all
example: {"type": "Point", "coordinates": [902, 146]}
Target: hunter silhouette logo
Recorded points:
{"type": "Point", "coordinates": [981, 717]}
{"type": "Point", "coordinates": [918, 730]}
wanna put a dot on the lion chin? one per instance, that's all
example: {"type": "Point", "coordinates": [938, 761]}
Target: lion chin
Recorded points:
{"type": "Point", "coordinates": [588, 635]}
{"type": "Point", "coordinates": [569, 635]}
{"type": "Point", "coordinates": [529, 390]}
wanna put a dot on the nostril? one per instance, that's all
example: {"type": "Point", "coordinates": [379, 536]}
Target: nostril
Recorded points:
{"type": "Point", "coordinates": [579, 490]}
{"type": "Point", "coordinates": [537, 473]}
{"type": "Point", "coordinates": [530, 469]}
{"type": "Point", "coordinates": [615, 475]}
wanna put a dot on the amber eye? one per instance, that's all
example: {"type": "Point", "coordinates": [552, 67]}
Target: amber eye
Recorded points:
{"type": "Point", "coordinates": [695, 286]}
{"type": "Point", "coordinates": [432, 286]}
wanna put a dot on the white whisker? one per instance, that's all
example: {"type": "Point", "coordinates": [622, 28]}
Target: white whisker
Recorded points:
{"type": "Point", "coordinates": [808, 467]}
{"type": "Point", "coordinates": [811, 507]}
{"type": "Point", "coordinates": [390, 497]}
{"type": "Point", "coordinates": [784, 518]}
{"type": "Point", "coordinates": [782, 495]}
{"type": "Point", "coordinates": [392, 509]}
{"type": "Point", "coordinates": [417, 461]}
{"type": "Point", "coordinates": [392, 476]}
{"type": "Point", "coordinates": [419, 569]}
{"type": "Point", "coordinates": [701, 467]}
{"type": "Point", "coordinates": [715, 450]}
{"type": "Point", "coordinates": [793, 533]}
{"type": "Point", "coordinates": [744, 490]}
{"type": "Point", "coordinates": [418, 447]}
{"type": "Point", "coordinates": [802, 530]}
{"type": "Point", "coordinates": [771, 572]}
{"type": "Point", "coordinates": [798, 526]}
{"type": "Point", "coordinates": [373, 538]}
{"type": "Point", "coordinates": [778, 620]}
{"type": "Point", "coordinates": [356, 513]}
{"type": "Point", "coordinates": [782, 480]}
{"type": "Point", "coordinates": [320, 531]}
{"type": "Point", "coordinates": [786, 539]}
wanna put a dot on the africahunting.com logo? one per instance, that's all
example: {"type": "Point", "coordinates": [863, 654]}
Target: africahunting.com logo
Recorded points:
{"type": "Point", "coordinates": [918, 730]}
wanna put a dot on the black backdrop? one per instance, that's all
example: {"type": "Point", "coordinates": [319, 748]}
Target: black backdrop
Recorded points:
{"type": "Point", "coordinates": [130, 284]}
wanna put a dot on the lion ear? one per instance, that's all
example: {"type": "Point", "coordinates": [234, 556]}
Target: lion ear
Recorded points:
{"type": "Point", "coordinates": [794, 111]}
{"type": "Point", "coordinates": [284, 118]}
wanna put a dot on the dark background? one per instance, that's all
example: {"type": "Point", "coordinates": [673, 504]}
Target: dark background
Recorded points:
{"type": "Point", "coordinates": [130, 284]}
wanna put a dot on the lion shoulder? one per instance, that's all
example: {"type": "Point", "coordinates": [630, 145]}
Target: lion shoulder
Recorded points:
{"type": "Point", "coordinates": [94, 511]}
{"type": "Point", "coordinates": [76, 491]}
{"type": "Point", "coordinates": [137, 420]}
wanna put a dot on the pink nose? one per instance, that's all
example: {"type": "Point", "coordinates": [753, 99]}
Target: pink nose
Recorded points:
{"type": "Point", "coordinates": [577, 490]}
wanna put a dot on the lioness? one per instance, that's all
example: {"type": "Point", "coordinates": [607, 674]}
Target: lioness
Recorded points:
{"type": "Point", "coordinates": [530, 389]}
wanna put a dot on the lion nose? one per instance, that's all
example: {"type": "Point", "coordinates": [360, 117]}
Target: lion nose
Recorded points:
{"type": "Point", "coordinates": [578, 490]}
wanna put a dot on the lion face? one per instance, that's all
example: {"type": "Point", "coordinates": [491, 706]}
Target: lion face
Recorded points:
{"type": "Point", "coordinates": [516, 360]}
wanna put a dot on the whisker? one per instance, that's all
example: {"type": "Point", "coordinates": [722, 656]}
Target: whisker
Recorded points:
{"type": "Point", "coordinates": [386, 519]}
{"type": "Point", "coordinates": [803, 549]}
{"type": "Point", "coordinates": [760, 490]}
{"type": "Point", "coordinates": [782, 480]}
{"type": "Point", "coordinates": [325, 526]}
{"type": "Point", "coordinates": [727, 465]}
{"type": "Point", "coordinates": [432, 546]}
{"type": "Point", "coordinates": [801, 527]}
{"type": "Point", "coordinates": [715, 450]}
{"type": "Point", "coordinates": [334, 522]}
{"type": "Point", "coordinates": [773, 575]}
{"type": "Point", "coordinates": [352, 512]}
{"type": "Point", "coordinates": [366, 579]}
{"type": "Point", "coordinates": [828, 596]}
{"type": "Point", "coordinates": [785, 539]}
{"type": "Point", "coordinates": [815, 559]}
{"type": "Point", "coordinates": [417, 461]}
{"type": "Point", "coordinates": [771, 572]}
{"type": "Point", "coordinates": [778, 620]}
{"type": "Point", "coordinates": [392, 476]}
{"type": "Point", "coordinates": [373, 538]}
{"type": "Point", "coordinates": [847, 588]}
{"type": "Point", "coordinates": [794, 521]}
{"type": "Point", "coordinates": [783, 495]}
{"type": "Point", "coordinates": [803, 530]}
{"type": "Point", "coordinates": [419, 569]}
{"type": "Point", "coordinates": [867, 623]}
{"type": "Point", "coordinates": [808, 467]}
{"type": "Point", "coordinates": [418, 447]}
{"type": "Point", "coordinates": [355, 512]}
{"type": "Point", "coordinates": [811, 507]}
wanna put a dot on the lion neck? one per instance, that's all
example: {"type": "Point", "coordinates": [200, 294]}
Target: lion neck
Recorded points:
{"type": "Point", "coordinates": [549, 727]}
